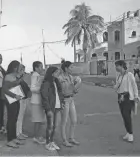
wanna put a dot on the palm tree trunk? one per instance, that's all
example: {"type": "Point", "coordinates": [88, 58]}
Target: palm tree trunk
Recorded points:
{"type": "Point", "coordinates": [85, 55]}
{"type": "Point", "coordinates": [85, 46]}
{"type": "Point", "coordinates": [75, 51]}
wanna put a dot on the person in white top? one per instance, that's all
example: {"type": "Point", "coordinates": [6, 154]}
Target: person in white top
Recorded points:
{"type": "Point", "coordinates": [37, 112]}
{"type": "Point", "coordinates": [127, 90]}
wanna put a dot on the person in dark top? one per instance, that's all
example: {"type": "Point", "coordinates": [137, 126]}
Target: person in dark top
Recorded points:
{"type": "Point", "coordinates": [52, 100]}
{"type": "Point", "coordinates": [12, 79]}
{"type": "Point", "coordinates": [2, 75]}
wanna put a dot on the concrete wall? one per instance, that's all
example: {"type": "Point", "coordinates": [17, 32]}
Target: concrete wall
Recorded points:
{"type": "Point", "coordinates": [130, 25]}
{"type": "Point", "coordinates": [131, 49]}
{"type": "Point", "coordinates": [115, 46]}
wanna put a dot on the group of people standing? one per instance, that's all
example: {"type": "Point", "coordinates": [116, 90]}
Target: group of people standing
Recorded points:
{"type": "Point", "coordinates": [50, 94]}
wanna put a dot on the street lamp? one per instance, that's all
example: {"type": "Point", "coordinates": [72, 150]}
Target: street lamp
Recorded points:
{"type": "Point", "coordinates": [3, 26]}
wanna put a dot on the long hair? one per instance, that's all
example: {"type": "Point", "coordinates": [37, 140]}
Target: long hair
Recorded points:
{"type": "Point", "coordinates": [11, 67]}
{"type": "Point", "coordinates": [48, 76]}
{"type": "Point", "coordinates": [65, 64]}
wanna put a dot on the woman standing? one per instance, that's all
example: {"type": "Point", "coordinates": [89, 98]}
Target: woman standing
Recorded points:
{"type": "Point", "coordinates": [52, 100]}
{"type": "Point", "coordinates": [10, 81]}
{"type": "Point", "coordinates": [70, 86]}
{"type": "Point", "coordinates": [38, 114]}
{"type": "Point", "coordinates": [127, 90]}
{"type": "Point", "coordinates": [23, 104]}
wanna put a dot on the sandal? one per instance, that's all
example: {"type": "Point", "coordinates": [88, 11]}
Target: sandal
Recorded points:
{"type": "Point", "coordinates": [12, 144]}
{"type": "Point", "coordinates": [67, 144]}
{"type": "Point", "coordinates": [73, 141]}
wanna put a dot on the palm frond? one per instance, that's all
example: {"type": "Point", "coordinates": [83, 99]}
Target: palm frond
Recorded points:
{"type": "Point", "coordinates": [72, 35]}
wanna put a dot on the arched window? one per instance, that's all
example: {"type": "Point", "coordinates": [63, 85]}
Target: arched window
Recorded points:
{"type": "Point", "coordinates": [105, 36]}
{"type": "Point", "coordinates": [134, 34]}
{"type": "Point", "coordinates": [94, 55]}
{"type": "Point", "coordinates": [117, 55]}
{"type": "Point", "coordinates": [117, 35]}
{"type": "Point", "coordinates": [106, 55]}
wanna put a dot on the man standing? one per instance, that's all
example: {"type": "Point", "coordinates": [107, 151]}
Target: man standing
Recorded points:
{"type": "Point", "coordinates": [2, 74]}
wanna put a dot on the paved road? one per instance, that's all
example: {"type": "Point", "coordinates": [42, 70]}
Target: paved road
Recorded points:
{"type": "Point", "coordinates": [100, 126]}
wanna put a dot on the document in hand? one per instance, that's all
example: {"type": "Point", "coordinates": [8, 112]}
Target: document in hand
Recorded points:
{"type": "Point", "coordinates": [16, 90]}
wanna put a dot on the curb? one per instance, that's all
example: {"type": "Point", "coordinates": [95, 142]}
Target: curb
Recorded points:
{"type": "Point", "coordinates": [97, 84]}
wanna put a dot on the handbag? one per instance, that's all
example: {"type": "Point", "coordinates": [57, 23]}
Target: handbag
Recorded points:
{"type": "Point", "coordinates": [125, 95]}
{"type": "Point", "coordinates": [26, 89]}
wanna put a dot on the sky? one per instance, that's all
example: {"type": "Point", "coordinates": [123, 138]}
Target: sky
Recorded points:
{"type": "Point", "coordinates": [25, 20]}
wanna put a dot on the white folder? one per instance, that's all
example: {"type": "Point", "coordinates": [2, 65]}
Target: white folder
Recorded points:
{"type": "Point", "coordinates": [16, 90]}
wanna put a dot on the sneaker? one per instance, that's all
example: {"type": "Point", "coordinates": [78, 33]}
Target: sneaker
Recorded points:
{"type": "Point", "coordinates": [126, 136]}
{"type": "Point", "coordinates": [23, 135]}
{"type": "Point", "coordinates": [55, 146]}
{"type": "Point", "coordinates": [18, 142]}
{"type": "Point", "coordinates": [20, 137]}
{"type": "Point", "coordinates": [12, 144]}
{"type": "Point", "coordinates": [50, 147]}
{"type": "Point", "coordinates": [130, 138]}
{"type": "Point", "coordinates": [39, 140]}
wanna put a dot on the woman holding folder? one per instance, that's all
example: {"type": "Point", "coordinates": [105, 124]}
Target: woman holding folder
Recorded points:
{"type": "Point", "coordinates": [9, 82]}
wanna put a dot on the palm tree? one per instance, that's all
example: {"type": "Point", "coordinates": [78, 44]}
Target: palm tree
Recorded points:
{"type": "Point", "coordinates": [83, 27]}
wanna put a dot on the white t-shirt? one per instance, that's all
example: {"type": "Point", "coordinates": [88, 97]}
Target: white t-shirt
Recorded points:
{"type": "Point", "coordinates": [128, 85]}
{"type": "Point", "coordinates": [57, 105]}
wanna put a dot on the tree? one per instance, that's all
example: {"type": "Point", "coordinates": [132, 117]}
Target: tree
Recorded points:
{"type": "Point", "coordinates": [83, 27]}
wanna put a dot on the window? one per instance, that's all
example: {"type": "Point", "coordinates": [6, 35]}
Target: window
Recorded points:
{"type": "Point", "coordinates": [105, 36]}
{"type": "Point", "coordinates": [106, 55]}
{"type": "Point", "coordinates": [138, 48]}
{"type": "Point", "coordinates": [136, 13]}
{"type": "Point", "coordinates": [134, 34]}
{"type": "Point", "coordinates": [117, 35]}
{"type": "Point", "coordinates": [94, 55]}
{"type": "Point", "coordinates": [133, 56]}
{"type": "Point", "coordinates": [117, 55]}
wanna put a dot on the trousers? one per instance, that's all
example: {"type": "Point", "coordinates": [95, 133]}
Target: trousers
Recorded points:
{"type": "Point", "coordinates": [23, 104]}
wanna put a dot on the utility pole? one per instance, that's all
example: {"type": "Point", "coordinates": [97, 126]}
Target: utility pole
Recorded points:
{"type": "Point", "coordinates": [43, 48]}
{"type": "Point", "coordinates": [0, 12]}
{"type": "Point", "coordinates": [1, 15]}
{"type": "Point", "coordinates": [21, 58]}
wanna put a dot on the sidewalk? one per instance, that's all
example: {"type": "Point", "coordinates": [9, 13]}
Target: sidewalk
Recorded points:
{"type": "Point", "coordinates": [102, 81]}
{"type": "Point", "coordinates": [29, 149]}
{"type": "Point", "coordinates": [98, 80]}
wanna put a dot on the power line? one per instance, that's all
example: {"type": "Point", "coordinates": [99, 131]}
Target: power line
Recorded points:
{"type": "Point", "coordinates": [53, 42]}
{"type": "Point", "coordinates": [54, 52]}
{"type": "Point", "coordinates": [21, 47]}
